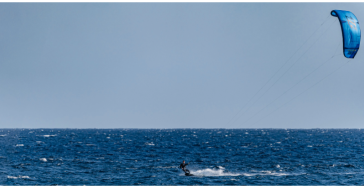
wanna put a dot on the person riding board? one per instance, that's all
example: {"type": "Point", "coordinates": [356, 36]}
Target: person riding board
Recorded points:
{"type": "Point", "coordinates": [183, 166]}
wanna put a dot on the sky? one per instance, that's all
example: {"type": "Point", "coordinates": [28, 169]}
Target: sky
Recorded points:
{"type": "Point", "coordinates": [178, 65]}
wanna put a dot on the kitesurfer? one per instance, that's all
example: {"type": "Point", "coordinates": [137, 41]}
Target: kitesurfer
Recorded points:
{"type": "Point", "coordinates": [183, 166]}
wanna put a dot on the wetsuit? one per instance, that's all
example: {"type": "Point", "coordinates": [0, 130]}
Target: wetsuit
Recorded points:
{"type": "Point", "coordinates": [183, 166]}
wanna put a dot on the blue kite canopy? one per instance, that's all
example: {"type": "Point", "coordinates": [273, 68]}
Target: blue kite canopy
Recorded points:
{"type": "Point", "coordinates": [350, 30]}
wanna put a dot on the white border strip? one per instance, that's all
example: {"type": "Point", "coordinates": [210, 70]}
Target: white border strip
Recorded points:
{"type": "Point", "coordinates": [182, 1]}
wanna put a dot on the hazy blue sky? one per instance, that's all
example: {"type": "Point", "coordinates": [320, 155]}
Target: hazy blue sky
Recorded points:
{"type": "Point", "coordinates": [176, 65]}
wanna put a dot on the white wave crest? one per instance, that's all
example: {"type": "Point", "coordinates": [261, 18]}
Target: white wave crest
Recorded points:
{"type": "Point", "coordinates": [271, 173]}
{"type": "Point", "coordinates": [213, 172]}
{"type": "Point", "coordinates": [13, 177]}
{"type": "Point", "coordinates": [47, 135]}
{"type": "Point", "coordinates": [220, 171]}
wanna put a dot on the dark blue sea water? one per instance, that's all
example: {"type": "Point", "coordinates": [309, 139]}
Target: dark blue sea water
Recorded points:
{"type": "Point", "coordinates": [151, 157]}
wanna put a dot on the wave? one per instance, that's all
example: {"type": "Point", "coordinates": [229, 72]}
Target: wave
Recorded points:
{"type": "Point", "coordinates": [220, 171]}
{"type": "Point", "coordinates": [165, 167]}
{"type": "Point", "coordinates": [149, 144]}
{"type": "Point", "coordinates": [47, 135]}
{"type": "Point", "coordinates": [14, 177]}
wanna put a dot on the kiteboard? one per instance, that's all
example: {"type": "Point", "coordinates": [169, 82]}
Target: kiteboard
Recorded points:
{"type": "Point", "coordinates": [189, 174]}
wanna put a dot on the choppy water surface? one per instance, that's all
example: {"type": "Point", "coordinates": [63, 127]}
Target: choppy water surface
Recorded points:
{"type": "Point", "coordinates": [151, 157]}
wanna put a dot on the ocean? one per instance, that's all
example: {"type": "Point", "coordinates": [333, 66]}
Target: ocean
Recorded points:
{"type": "Point", "coordinates": [152, 156]}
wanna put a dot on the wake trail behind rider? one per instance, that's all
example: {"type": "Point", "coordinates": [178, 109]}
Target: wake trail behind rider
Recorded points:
{"type": "Point", "coordinates": [183, 166]}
